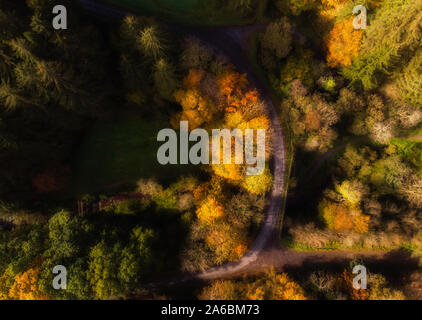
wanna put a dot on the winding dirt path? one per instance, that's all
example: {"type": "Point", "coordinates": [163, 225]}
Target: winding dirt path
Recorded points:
{"type": "Point", "coordinates": [232, 42]}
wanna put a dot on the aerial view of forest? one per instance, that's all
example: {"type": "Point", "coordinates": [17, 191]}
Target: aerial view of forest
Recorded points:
{"type": "Point", "coordinates": [210, 149]}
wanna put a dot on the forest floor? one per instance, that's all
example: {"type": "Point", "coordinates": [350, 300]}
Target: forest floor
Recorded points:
{"type": "Point", "coordinates": [120, 151]}
{"type": "Point", "coordinates": [186, 12]}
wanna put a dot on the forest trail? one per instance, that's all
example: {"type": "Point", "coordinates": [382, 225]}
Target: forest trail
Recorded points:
{"type": "Point", "coordinates": [415, 138]}
{"type": "Point", "coordinates": [232, 42]}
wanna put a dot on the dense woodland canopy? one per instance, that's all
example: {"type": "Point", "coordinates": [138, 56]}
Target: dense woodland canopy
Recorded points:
{"type": "Point", "coordinates": [351, 97]}
{"type": "Point", "coordinates": [349, 102]}
{"type": "Point", "coordinates": [58, 84]}
{"type": "Point", "coordinates": [52, 84]}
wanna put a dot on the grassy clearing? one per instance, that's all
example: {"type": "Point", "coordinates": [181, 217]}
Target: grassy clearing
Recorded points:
{"type": "Point", "coordinates": [159, 6]}
{"type": "Point", "coordinates": [415, 135]}
{"type": "Point", "coordinates": [119, 152]}
{"type": "Point", "coordinates": [289, 243]}
{"type": "Point", "coordinates": [412, 248]}
{"type": "Point", "coordinates": [185, 12]}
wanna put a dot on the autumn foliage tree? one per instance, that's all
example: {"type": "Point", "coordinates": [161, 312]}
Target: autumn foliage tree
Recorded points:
{"type": "Point", "coordinates": [268, 286]}
{"type": "Point", "coordinates": [259, 184]}
{"type": "Point", "coordinates": [210, 210]}
{"type": "Point", "coordinates": [198, 109]}
{"type": "Point", "coordinates": [232, 85]}
{"type": "Point", "coordinates": [343, 44]}
{"type": "Point", "coordinates": [341, 218]}
{"type": "Point", "coordinates": [346, 282]}
{"type": "Point", "coordinates": [214, 96]}
{"type": "Point", "coordinates": [274, 286]}
{"type": "Point", "coordinates": [229, 243]}
{"type": "Point", "coordinates": [377, 288]}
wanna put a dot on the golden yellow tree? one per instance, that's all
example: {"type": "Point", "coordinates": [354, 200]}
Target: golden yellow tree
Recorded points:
{"type": "Point", "coordinates": [342, 221]}
{"type": "Point", "coordinates": [232, 172]}
{"type": "Point", "coordinates": [352, 191]}
{"type": "Point", "coordinates": [343, 44]}
{"type": "Point", "coordinates": [274, 286]}
{"type": "Point", "coordinates": [197, 109]}
{"type": "Point", "coordinates": [334, 215]}
{"type": "Point", "coordinates": [239, 251]}
{"type": "Point", "coordinates": [25, 286]}
{"type": "Point", "coordinates": [270, 286]}
{"type": "Point", "coordinates": [333, 3]}
{"type": "Point", "coordinates": [259, 184]}
{"type": "Point", "coordinates": [361, 223]}
{"type": "Point", "coordinates": [339, 217]}
{"type": "Point", "coordinates": [210, 210]}
{"type": "Point", "coordinates": [256, 123]}
{"type": "Point", "coordinates": [232, 85]}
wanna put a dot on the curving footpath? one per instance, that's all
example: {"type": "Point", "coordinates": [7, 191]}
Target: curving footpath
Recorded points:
{"type": "Point", "coordinates": [232, 42]}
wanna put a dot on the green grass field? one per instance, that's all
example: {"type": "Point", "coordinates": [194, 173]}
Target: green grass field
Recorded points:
{"type": "Point", "coordinates": [117, 153]}
{"type": "Point", "coordinates": [187, 12]}
{"type": "Point", "coordinates": [177, 6]}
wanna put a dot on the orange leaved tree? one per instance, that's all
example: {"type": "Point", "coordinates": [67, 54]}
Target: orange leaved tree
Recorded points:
{"type": "Point", "coordinates": [343, 44]}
